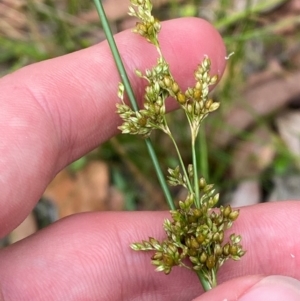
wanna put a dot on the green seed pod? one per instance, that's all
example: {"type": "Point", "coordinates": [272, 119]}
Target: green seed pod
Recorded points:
{"type": "Point", "coordinates": [200, 238]}
{"type": "Point", "coordinates": [208, 103]}
{"type": "Point", "coordinates": [216, 237]}
{"type": "Point", "coordinates": [205, 77]}
{"type": "Point", "coordinates": [192, 219]}
{"type": "Point", "coordinates": [202, 183]}
{"type": "Point", "coordinates": [203, 257]}
{"type": "Point", "coordinates": [172, 250]}
{"type": "Point", "coordinates": [190, 108]}
{"type": "Point", "coordinates": [227, 210]}
{"type": "Point", "coordinates": [221, 236]}
{"type": "Point", "coordinates": [188, 242]}
{"type": "Point", "coordinates": [175, 87]}
{"type": "Point", "coordinates": [194, 260]}
{"type": "Point", "coordinates": [193, 252]}
{"type": "Point", "coordinates": [198, 86]}
{"type": "Point", "coordinates": [141, 28]}
{"type": "Point", "coordinates": [210, 262]}
{"type": "Point", "coordinates": [194, 243]}
{"type": "Point", "coordinates": [226, 249]}
{"type": "Point", "coordinates": [168, 260]}
{"type": "Point", "coordinates": [168, 81]}
{"type": "Point", "coordinates": [218, 250]}
{"type": "Point", "coordinates": [181, 98]}
{"type": "Point", "coordinates": [233, 215]}
{"type": "Point", "coordinates": [162, 110]}
{"type": "Point", "coordinates": [189, 92]}
{"type": "Point", "coordinates": [197, 212]}
{"type": "Point", "coordinates": [197, 108]}
{"type": "Point", "coordinates": [214, 79]}
{"type": "Point", "coordinates": [235, 238]}
{"type": "Point", "coordinates": [142, 121]}
{"type": "Point", "coordinates": [206, 63]}
{"type": "Point", "coordinates": [233, 249]}
{"type": "Point", "coordinates": [214, 106]}
{"type": "Point", "coordinates": [197, 93]}
{"type": "Point", "coordinates": [157, 256]}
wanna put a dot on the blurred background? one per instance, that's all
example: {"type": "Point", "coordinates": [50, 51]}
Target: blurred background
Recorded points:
{"type": "Point", "coordinates": [253, 140]}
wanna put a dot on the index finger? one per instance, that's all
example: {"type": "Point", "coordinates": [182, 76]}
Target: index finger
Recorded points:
{"type": "Point", "coordinates": [56, 111]}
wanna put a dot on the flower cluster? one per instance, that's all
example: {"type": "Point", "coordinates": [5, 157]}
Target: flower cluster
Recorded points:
{"type": "Point", "coordinates": [161, 85]}
{"type": "Point", "coordinates": [152, 116]}
{"type": "Point", "coordinates": [196, 237]}
{"type": "Point", "coordinates": [149, 27]}
{"type": "Point", "coordinates": [194, 101]}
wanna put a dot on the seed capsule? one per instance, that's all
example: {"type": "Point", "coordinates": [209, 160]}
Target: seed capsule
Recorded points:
{"type": "Point", "coordinates": [227, 211]}
{"type": "Point", "coordinates": [214, 79]}
{"type": "Point", "coordinates": [167, 260]}
{"type": "Point", "coordinates": [233, 215]}
{"type": "Point", "coordinates": [208, 103]}
{"type": "Point", "coordinates": [203, 257]}
{"type": "Point", "coordinates": [181, 98]}
{"type": "Point", "coordinates": [167, 81]}
{"type": "Point", "coordinates": [194, 243]}
{"type": "Point", "coordinates": [202, 183]}
{"type": "Point", "coordinates": [200, 238]}
{"type": "Point", "coordinates": [210, 262]}
{"type": "Point", "coordinates": [197, 93]}
{"type": "Point", "coordinates": [233, 250]}
{"type": "Point", "coordinates": [226, 249]}
{"type": "Point", "coordinates": [175, 87]}
{"type": "Point", "coordinates": [218, 250]}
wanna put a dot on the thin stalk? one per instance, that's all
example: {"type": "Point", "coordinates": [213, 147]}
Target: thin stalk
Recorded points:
{"type": "Point", "coordinates": [129, 91]}
{"type": "Point", "coordinates": [194, 134]}
{"type": "Point", "coordinates": [202, 147]}
{"type": "Point", "coordinates": [181, 162]}
{"type": "Point", "coordinates": [205, 284]}
{"type": "Point", "coordinates": [195, 170]}
{"type": "Point", "coordinates": [116, 54]}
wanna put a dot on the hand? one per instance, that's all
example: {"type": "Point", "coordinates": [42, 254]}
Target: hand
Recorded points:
{"type": "Point", "coordinates": [56, 111]}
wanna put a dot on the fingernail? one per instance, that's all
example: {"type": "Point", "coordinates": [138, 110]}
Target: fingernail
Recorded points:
{"type": "Point", "coordinates": [275, 288]}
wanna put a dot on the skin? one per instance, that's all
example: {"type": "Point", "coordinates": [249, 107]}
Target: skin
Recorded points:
{"type": "Point", "coordinates": [54, 112]}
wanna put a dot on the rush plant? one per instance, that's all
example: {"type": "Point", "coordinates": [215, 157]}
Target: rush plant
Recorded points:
{"type": "Point", "coordinates": [196, 234]}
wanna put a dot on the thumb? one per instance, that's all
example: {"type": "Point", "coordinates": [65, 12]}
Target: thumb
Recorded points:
{"type": "Point", "coordinates": [255, 288]}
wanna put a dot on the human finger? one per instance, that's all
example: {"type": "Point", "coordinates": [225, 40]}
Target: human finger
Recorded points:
{"type": "Point", "coordinates": [258, 288]}
{"type": "Point", "coordinates": [90, 253]}
{"type": "Point", "coordinates": [55, 111]}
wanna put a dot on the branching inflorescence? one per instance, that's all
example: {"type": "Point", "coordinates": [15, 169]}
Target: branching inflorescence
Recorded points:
{"type": "Point", "coordinates": [196, 234]}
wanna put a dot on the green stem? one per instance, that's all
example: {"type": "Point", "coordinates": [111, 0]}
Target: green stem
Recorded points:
{"type": "Point", "coordinates": [115, 53]}
{"type": "Point", "coordinates": [168, 132]}
{"type": "Point", "coordinates": [204, 282]}
{"type": "Point", "coordinates": [160, 175]}
{"type": "Point", "coordinates": [203, 168]}
{"type": "Point", "coordinates": [195, 169]}
{"type": "Point", "coordinates": [129, 91]}
{"type": "Point", "coordinates": [194, 133]}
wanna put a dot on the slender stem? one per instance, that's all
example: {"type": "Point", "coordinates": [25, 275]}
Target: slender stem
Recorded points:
{"type": "Point", "coordinates": [116, 54]}
{"type": "Point", "coordinates": [195, 169]}
{"type": "Point", "coordinates": [132, 99]}
{"type": "Point", "coordinates": [203, 153]}
{"type": "Point", "coordinates": [204, 282]}
{"type": "Point", "coordinates": [159, 173]}
{"type": "Point", "coordinates": [180, 161]}
{"type": "Point", "coordinates": [214, 278]}
{"type": "Point", "coordinates": [194, 133]}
